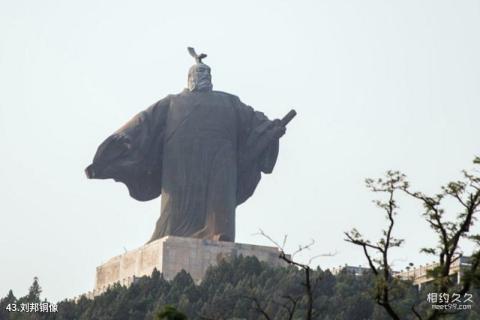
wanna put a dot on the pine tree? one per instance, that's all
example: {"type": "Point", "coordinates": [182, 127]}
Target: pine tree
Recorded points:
{"type": "Point", "coordinates": [170, 313]}
{"type": "Point", "coordinates": [34, 291]}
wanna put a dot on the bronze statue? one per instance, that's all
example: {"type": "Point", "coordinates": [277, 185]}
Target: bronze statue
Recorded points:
{"type": "Point", "coordinates": [203, 150]}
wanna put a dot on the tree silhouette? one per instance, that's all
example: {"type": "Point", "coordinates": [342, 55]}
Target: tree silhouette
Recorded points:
{"type": "Point", "coordinates": [170, 313]}
{"type": "Point", "coordinates": [465, 194]}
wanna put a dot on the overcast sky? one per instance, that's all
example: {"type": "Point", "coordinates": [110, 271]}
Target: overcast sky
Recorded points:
{"type": "Point", "coordinates": [377, 85]}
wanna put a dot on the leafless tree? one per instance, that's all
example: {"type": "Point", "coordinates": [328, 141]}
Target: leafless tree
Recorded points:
{"type": "Point", "coordinates": [258, 307]}
{"type": "Point", "coordinates": [381, 267]}
{"type": "Point", "coordinates": [308, 283]}
{"type": "Point", "coordinates": [290, 306]}
{"type": "Point", "coordinates": [466, 194]}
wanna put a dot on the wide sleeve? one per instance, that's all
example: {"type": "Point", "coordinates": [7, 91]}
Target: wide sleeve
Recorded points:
{"type": "Point", "coordinates": [133, 154]}
{"type": "Point", "coordinates": [257, 151]}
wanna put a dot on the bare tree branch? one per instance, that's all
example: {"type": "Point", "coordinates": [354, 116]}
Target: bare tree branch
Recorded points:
{"type": "Point", "coordinates": [305, 267]}
{"type": "Point", "coordinates": [258, 307]}
{"type": "Point", "coordinates": [381, 269]}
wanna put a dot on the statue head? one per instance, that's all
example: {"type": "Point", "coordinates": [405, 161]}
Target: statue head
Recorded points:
{"type": "Point", "coordinates": [199, 77]}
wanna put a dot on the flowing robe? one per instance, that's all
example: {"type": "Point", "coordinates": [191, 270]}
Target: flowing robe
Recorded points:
{"type": "Point", "coordinates": [200, 150]}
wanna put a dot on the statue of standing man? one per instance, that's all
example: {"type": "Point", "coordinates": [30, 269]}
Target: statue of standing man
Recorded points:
{"type": "Point", "coordinates": [202, 150]}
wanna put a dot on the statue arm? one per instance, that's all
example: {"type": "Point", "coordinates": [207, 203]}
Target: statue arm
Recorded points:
{"type": "Point", "coordinates": [258, 147]}
{"type": "Point", "coordinates": [269, 157]}
{"type": "Point", "coordinates": [258, 138]}
{"type": "Point", "coordinates": [133, 153]}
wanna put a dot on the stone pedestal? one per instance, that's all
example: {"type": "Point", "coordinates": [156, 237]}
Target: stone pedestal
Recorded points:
{"type": "Point", "coordinates": [169, 255]}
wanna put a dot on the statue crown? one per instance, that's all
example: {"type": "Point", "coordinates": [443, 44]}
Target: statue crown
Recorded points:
{"type": "Point", "coordinates": [198, 58]}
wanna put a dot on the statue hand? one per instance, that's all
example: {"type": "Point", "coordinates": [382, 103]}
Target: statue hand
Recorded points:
{"type": "Point", "coordinates": [280, 131]}
{"type": "Point", "coordinates": [277, 122]}
{"type": "Point", "coordinates": [278, 128]}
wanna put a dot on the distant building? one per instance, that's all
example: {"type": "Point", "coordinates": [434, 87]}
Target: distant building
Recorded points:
{"type": "Point", "coordinates": [356, 271]}
{"type": "Point", "coordinates": [419, 274]}
{"type": "Point", "coordinates": [416, 274]}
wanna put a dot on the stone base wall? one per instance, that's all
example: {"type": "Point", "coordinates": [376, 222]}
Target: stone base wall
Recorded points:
{"type": "Point", "coordinates": [169, 255]}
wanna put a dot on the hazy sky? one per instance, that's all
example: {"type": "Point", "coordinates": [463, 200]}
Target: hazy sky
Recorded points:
{"type": "Point", "coordinates": [377, 85]}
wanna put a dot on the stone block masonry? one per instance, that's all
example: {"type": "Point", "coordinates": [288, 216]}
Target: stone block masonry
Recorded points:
{"type": "Point", "coordinates": [169, 255]}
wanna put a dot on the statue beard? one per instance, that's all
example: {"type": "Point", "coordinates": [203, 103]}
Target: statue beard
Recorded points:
{"type": "Point", "coordinates": [200, 81]}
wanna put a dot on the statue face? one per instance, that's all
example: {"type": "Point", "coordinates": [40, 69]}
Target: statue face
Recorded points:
{"type": "Point", "coordinates": [199, 78]}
